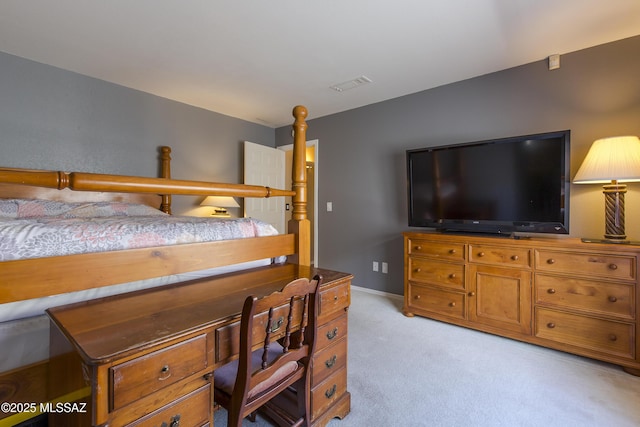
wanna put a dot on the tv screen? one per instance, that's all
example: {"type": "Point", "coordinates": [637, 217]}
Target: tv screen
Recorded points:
{"type": "Point", "coordinates": [501, 186]}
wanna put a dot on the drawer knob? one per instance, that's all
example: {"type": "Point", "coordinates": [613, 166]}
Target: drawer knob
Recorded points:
{"type": "Point", "coordinates": [330, 362]}
{"type": "Point", "coordinates": [165, 372]}
{"type": "Point", "coordinates": [551, 325]}
{"type": "Point", "coordinates": [551, 261]}
{"type": "Point", "coordinates": [175, 421]}
{"type": "Point", "coordinates": [551, 291]}
{"type": "Point", "coordinates": [452, 304]}
{"type": "Point", "coordinates": [480, 254]}
{"type": "Point", "coordinates": [613, 267]}
{"type": "Point", "coordinates": [613, 299]}
{"type": "Point", "coordinates": [452, 276]}
{"type": "Point", "coordinates": [515, 257]}
{"type": "Point", "coordinates": [472, 294]}
{"type": "Point", "coordinates": [418, 248]}
{"type": "Point", "coordinates": [332, 333]}
{"type": "Point", "coordinates": [417, 297]}
{"type": "Point", "coordinates": [452, 251]}
{"type": "Point", "coordinates": [417, 270]}
{"type": "Point", "coordinates": [613, 337]}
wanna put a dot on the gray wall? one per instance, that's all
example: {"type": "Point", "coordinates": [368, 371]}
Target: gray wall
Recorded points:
{"type": "Point", "coordinates": [595, 93]}
{"type": "Point", "coordinates": [56, 119]}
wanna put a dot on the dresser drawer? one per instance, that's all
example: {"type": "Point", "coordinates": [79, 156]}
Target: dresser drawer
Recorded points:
{"type": "Point", "coordinates": [332, 331]}
{"type": "Point", "coordinates": [190, 410]}
{"type": "Point", "coordinates": [607, 298]}
{"type": "Point", "coordinates": [448, 251]}
{"type": "Point", "coordinates": [604, 336]}
{"type": "Point", "coordinates": [501, 256]}
{"type": "Point", "coordinates": [438, 301]}
{"type": "Point", "coordinates": [329, 360]}
{"type": "Point", "coordinates": [587, 264]}
{"type": "Point", "coordinates": [438, 273]}
{"type": "Point", "coordinates": [327, 392]}
{"type": "Point", "coordinates": [142, 376]}
{"type": "Point", "coordinates": [333, 299]}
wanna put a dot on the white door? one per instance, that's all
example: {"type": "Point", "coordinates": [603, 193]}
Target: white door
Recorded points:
{"type": "Point", "coordinates": [265, 166]}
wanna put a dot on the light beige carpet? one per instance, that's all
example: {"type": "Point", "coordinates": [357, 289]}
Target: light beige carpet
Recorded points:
{"type": "Point", "coordinates": [419, 372]}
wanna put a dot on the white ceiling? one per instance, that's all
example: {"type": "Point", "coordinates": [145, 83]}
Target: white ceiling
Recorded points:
{"type": "Point", "coordinates": [256, 59]}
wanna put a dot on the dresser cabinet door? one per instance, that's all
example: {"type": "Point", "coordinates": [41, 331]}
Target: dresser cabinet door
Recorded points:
{"type": "Point", "coordinates": [500, 297]}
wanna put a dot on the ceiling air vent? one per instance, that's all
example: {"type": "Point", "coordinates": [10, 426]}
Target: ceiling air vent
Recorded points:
{"type": "Point", "coordinates": [358, 81]}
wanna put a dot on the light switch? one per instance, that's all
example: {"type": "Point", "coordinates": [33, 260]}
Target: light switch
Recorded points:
{"type": "Point", "coordinates": [554, 62]}
{"type": "Point", "coordinates": [329, 206]}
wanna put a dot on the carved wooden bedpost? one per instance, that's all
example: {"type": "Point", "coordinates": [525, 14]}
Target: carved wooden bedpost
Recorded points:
{"type": "Point", "coordinates": [165, 157]}
{"type": "Point", "coordinates": [300, 224]}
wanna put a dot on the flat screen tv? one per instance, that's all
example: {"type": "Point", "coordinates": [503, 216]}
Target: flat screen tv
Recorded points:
{"type": "Point", "coordinates": [501, 186]}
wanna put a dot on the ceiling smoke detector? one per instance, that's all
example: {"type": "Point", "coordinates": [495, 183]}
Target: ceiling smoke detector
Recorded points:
{"type": "Point", "coordinates": [358, 81]}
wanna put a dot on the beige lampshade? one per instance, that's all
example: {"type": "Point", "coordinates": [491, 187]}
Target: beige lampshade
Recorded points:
{"type": "Point", "coordinates": [614, 158]}
{"type": "Point", "coordinates": [220, 202]}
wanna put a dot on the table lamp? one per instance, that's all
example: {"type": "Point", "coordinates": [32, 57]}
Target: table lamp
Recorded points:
{"type": "Point", "coordinates": [220, 203]}
{"type": "Point", "coordinates": [612, 162]}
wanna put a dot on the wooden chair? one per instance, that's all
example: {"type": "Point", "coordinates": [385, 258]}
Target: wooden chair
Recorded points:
{"type": "Point", "coordinates": [277, 340]}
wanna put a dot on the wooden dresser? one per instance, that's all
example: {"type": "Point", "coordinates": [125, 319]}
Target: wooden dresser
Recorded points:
{"type": "Point", "coordinates": [560, 293]}
{"type": "Point", "coordinates": [148, 358]}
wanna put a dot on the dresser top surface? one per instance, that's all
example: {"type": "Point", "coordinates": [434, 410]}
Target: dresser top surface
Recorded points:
{"type": "Point", "coordinates": [551, 241]}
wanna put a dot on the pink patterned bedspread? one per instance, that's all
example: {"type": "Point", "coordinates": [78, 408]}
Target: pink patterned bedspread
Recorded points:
{"type": "Point", "coordinates": [33, 229]}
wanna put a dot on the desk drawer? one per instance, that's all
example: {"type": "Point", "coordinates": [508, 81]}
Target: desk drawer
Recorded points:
{"type": "Point", "coordinates": [190, 410]}
{"type": "Point", "coordinates": [334, 299]}
{"type": "Point", "coordinates": [328, 392]}
{"type": "Point", "coordinates": [142, 376]}
{"type": "Point", "coordinates": [615, 299]}
{"type": "Point", "coordinates": [329, 360]}
{"type": "Point", "coordinates": [587, 264]}
{"type": "Point", "coordinates": [332, 332]}
{"type": "Point", "coordinates": [615, 338]}
{"type": "Point", "coordinates": [436, 273]}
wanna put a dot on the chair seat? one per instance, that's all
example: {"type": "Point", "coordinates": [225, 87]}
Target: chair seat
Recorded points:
{"type": "Point", "coordinates": [225, 377]}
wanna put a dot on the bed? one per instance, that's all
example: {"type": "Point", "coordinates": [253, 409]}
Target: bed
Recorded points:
{"type": "Point", "coordinates": [96, 264]}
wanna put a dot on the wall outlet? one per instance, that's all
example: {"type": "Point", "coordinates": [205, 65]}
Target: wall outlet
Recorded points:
{"type": "Point", "coordinates": [385, 267]}
{"type": "Point", "coordinates": [375, 266]}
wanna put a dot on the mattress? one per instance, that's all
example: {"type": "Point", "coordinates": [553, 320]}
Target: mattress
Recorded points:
{"type": "Point", "coordinates": [39, 228]}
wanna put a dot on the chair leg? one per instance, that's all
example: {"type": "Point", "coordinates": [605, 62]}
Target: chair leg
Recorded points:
{"type": "Point", "coordinates": [233, 420]}
{"type": "Point", "coordinates": [252, 416]}
{"type": "Point", "coordinates": [304, 400]}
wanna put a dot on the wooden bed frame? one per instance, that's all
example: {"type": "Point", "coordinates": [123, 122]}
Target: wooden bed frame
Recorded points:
{"type": "Point", "coordinates": [34, 278]}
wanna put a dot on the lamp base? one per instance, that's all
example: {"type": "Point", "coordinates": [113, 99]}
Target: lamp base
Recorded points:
{"type": "Point", "coordinates": [614, 241]}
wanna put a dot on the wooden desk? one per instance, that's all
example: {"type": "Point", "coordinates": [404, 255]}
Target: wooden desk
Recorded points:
{"type": "Point", "coordinates": [148, 357]}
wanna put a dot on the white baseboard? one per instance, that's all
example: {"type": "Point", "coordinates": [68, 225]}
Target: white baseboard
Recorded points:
{"type": "Point", "coordinates": [374, 292]}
